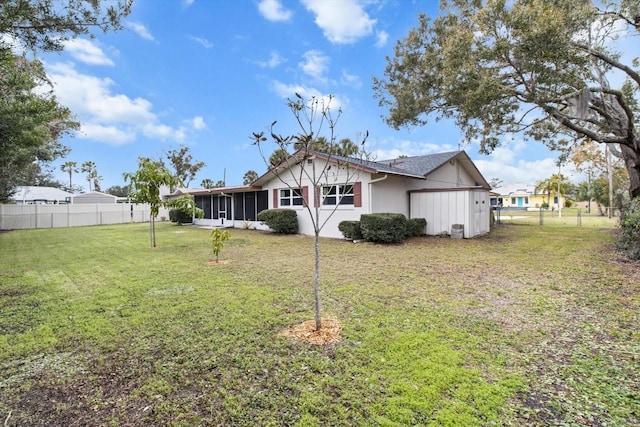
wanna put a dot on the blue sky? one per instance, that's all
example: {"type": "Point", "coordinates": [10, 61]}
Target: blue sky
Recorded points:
{"type": "Point", "coordinates": [208, 73]}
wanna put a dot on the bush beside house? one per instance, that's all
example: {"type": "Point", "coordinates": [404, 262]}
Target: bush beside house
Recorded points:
{"type": "Point", "coordinates": [383, 228]}
{"type": "Point", "coordinates": [283, 221]}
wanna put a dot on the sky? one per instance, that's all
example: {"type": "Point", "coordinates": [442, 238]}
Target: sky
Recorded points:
{"type": "Point", "coordinates": [206, 74]}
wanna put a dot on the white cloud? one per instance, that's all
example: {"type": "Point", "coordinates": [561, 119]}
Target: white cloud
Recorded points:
{"type": "Point", "coordinates": [289, 91]}
{"type": "Point", "coordinates": [342, 21]}
{"type": "Point", "coordinates": [381, 38]}
{"type": "Point", "coordinates": [109, 134]}
{"type": "Point", "coordinates": [198, 123]}
{"type": "Point", "coordinates": [315, 63]}
{"type": "Point", "coordinates": [351, 80]}
{"type": "Point", "coordinates": [106, 116]}
{"type": "Point", "coordinates": [187, 3]}
{"type": "Point", "coordinates": [520, 171]}
{"type": "Point", "coordinates": [87, 52]}
{"type": "Point", "coordinates": [273, 10]}
{"type": "Point", "coordinates": [140, 29]}
{"type": "Point", "coordinates": [204, 42]}
{"type": "Point", "coordinates": [274, 60]}
{"type": "Point", "coordinates": [165, 132]}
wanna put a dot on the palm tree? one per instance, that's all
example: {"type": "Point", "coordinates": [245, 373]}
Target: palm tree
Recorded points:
{"type": "Point", "coordinates": [89, 168]}
{"type": "Point", "coordinates": [249, 177]}
{"type": "Point", "coordinates": [550, 186]}
{"type": "Point", "coordinates": [206, 183]}
{"type": "Point", "coordinates": [278, 156]}
{"type": "Point", "coordinates": [71, 168]}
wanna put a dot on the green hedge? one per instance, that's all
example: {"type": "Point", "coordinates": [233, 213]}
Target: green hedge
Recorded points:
{"type": "Point", "coordinates": [350, 229]}
{"type": "Point", "coordinates": [416, 227]}
{"type": "Point", "coordinates": [629, 238]}
{"type": "Point", "coordinates": [180, 216]}
{"type": "Point", "coordinates": [383, 227]}
{"type": "Point", "coordinates": [280, 220]}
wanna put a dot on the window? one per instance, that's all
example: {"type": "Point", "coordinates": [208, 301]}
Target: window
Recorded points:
{"type": "Point", "coordinates": [513, 200]}
{"type": "Point", "coordinates": [337, 195]}
{"type": "Point", "coordinates": [290, 197]}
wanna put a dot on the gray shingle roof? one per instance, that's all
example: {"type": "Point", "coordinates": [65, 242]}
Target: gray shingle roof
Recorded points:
{"type": "Point", "coordinates": [414, 167]}
{"type": "Point", "coordinates": [422, 165]}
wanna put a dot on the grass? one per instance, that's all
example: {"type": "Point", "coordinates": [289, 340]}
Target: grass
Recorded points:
{"type": "Point", "coordinates": [526, 326]}
{"type": "Point", "coordinates": [569, 217]}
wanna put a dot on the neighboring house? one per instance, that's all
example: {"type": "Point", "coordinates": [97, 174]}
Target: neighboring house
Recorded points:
{"type": "Point", "coordinates": [444, 188]}
{"type": "Point", "coordinates": [95, 197]}
{"type": "Point", "coordinates": [523, 196]}
{"type": "Point", "coordinates": [30, 195]}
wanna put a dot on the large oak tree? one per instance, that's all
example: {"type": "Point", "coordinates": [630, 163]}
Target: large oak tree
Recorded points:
{"type": "Point", "coordinates": [546, 69]}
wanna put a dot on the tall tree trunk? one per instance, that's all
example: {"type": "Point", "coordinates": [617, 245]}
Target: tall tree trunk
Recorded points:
{"type": "Point", "coordinates": [631, 159]}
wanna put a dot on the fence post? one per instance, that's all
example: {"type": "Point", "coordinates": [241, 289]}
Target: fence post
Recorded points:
{"type": "Point", "coordinates": [541, 216]}
{"type": "Point", "coordinates": [579, 218]}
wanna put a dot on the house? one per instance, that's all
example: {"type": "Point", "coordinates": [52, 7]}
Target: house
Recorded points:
{"type": "Point", "coordinates": [445, 189]}
{"type": "Point", "coordinates": [95, 197]}
{"type": "Point", "coordinates": [524, 196]}
{"type": "Point", "coordinates": [30, 195]}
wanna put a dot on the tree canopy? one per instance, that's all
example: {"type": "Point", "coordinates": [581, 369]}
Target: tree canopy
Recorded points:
{"type": "Point", "coordinates": [32, 122]}
{"type": "Point", "coordinates": [550, 70]}
{"type": "Point", "coordinates": [46, 24]}
{"type": "Point", "coordinates": [146, 184]}
{"type": "Point", "coordinates": [184, 165]}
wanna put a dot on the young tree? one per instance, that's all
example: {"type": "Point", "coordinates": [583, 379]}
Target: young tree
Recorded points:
{"type": "Point", "coordinates": [249, 177]}
{"type": "Point", "coordinates": [542, 68]}
{"type": "Point", "coordinates": [183, 164]}
{"type": "Point", "coordinates": [313, 118]}
{"type": "Point", "coordinates": [71, 168]}
{"type": "Point", "coordinates": [146, 183]}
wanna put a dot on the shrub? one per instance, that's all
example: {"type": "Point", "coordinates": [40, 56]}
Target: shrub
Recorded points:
{"type": "Point", "coordinates": [180, 216]}
{"type": "Point", "coordinates": [350, 229]}
{"type": "Point", "coordinates": [218, 238]}
{"type": "Point", "coordinates": [629, 239]}
{"type": "Point", "coordinates": [416, 227]}
{"type": "Point", "coordinates": [280, 220]}
{"type": "Point", "coordinates": [383, 227]}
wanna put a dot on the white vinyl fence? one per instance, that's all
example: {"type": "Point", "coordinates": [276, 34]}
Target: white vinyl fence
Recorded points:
{"type": "Point", "coordinates": [20, 217]}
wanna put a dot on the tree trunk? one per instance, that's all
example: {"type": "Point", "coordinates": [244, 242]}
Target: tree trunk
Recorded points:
{"type": "Point", "coordinates": [316, 281]}
{"type": "Point", "coordinates": [153, 231]}
{"type": "Point", "coordinates": [631, 159]}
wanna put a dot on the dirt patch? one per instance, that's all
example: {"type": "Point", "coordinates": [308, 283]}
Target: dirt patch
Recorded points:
{"type": "Point", "coordinates": [220, 262]}
{"type": "Point", "coordinates": [306, 332]}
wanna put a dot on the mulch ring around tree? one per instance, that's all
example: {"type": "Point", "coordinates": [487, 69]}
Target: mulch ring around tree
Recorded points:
{"type": "Point", "coordinates": [306, 332]}
{"type": "Point", "coordinates": [221, 262]}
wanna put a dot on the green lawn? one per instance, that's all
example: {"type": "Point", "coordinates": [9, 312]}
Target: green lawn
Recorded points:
{"type": "Point", "coordinates": [527, 326]}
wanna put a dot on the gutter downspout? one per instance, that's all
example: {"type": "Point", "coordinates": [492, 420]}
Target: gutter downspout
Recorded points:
{"type": "Point", "coordinates": [373, 182]}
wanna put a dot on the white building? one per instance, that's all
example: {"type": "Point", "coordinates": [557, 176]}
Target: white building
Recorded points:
{"type": "Point", "coordinates": [445, 189]}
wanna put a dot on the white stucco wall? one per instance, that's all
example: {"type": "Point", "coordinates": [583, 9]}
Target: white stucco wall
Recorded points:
{"type": "Point", "coordinates": [336, 175]}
